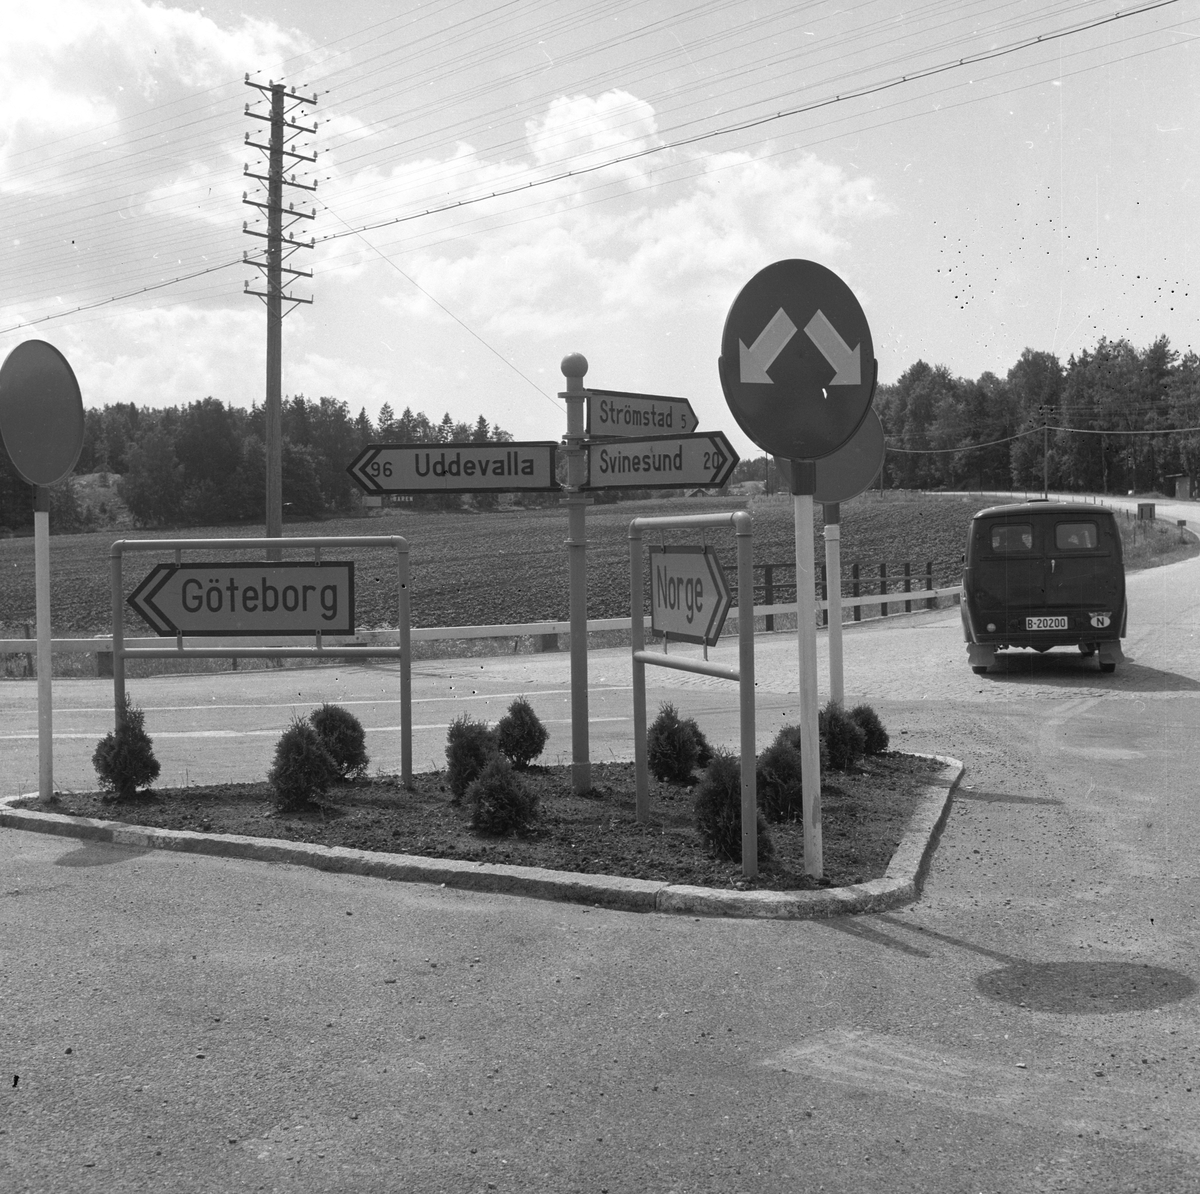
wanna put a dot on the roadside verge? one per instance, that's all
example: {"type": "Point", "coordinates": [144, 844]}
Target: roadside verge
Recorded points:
{"type": "Point", "coordinates": [900, 885]}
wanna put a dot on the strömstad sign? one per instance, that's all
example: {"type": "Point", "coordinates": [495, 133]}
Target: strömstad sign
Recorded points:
{"type": "Point", "coordinates": [616, 413]}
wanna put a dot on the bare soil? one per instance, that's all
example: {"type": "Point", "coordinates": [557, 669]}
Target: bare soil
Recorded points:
{"type": "Point", "coordinates": [864, 813]}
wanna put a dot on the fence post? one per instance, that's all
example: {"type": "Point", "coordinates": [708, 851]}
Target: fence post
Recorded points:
{"type": "Point", "coordinates": [883, 612]}
{"type": "Point", "coordinates": [930, 602]}
{"type": "Point", "coordinates": [769, 592]}
{"type": "Point", "coordinates": [854, 580]}
{"type": "Point", "coordinates": [824, 595]}
{"type": "Point", "coordinates": [907, 585]}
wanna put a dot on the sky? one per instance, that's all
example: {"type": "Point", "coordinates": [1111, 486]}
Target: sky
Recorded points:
{"type": "Point", "coordinates": [502, 182]}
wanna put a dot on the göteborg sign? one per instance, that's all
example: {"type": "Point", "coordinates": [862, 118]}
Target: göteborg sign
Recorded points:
{"type": "Point", "coordinates": [247, 598]}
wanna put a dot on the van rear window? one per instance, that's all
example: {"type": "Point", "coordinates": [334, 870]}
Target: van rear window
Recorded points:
{"type": "Point", "coordinates": [1075, 536]}
{"type": "Point", "coordinates": [1011, 537]}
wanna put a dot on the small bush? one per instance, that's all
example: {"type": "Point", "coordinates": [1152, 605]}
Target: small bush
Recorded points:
{"type": "Point", "coordinates": [778, 779]}
{"type": "Point", "coordinates": [124, 757]}
{"type": "Point", "coordinates": [868, 721]}
{"type": "Point", "coordinates": [470, 745]}
{"type": "Point", "coordinates": [844, 737]}
{"type": "Point", "coordinates": [671, 748]}
{"type": "Point", "coordinates": [303, 768]}
{"type": "Point", "coordinates": [342, 735]}
{"type": "Point", "coordinates": [718, 808]}
{"type": "Point", "coordinates": [500, 802]}
{"type": "Point", "coordinates": [520, 734]}
{"type": "Point", "coordinates": [704, 751]}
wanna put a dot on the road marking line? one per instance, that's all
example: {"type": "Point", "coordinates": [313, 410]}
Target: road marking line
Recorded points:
{"type": "Point", "coordinates": [486, 696]}
{"type": "Point", "coordinates": [437, 725]}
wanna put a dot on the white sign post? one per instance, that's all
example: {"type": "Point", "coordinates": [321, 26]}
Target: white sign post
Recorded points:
{"type": "Point", "coordinates": [797, 368]}
{"type": "Point", "coordinates": [41, 424]}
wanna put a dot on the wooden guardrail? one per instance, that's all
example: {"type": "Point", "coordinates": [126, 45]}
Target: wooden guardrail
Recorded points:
{"type": "Point", "coordinates": [101, 645]}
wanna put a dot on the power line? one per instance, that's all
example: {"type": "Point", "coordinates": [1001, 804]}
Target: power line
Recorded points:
{"type": "Point", "coordinates": [758, 122]}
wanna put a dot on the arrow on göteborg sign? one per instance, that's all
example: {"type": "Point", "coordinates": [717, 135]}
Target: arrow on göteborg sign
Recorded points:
{"type": "Point", "coordinates": [774, 338]}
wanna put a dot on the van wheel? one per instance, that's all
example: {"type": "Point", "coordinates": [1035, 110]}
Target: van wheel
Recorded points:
{"type": "Point", "coordinates": [1087, 650]}
{"type": "Point", "coordinates": [979, 671]}
{"type": "Point", "coordinates": [1110, 666]}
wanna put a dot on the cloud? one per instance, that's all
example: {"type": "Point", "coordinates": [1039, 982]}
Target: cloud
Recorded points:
{"type": "Point", "coordinates": [71, 65]}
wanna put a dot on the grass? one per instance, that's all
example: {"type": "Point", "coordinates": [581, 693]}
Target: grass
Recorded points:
{"type": "Point", "coordinates": [864, 813]}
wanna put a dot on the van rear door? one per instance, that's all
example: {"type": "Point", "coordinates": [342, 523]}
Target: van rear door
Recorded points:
{"type": "Point", "coordinates": [1008, 565]}
{"type": "Point", "coordinates": [1084, 564]}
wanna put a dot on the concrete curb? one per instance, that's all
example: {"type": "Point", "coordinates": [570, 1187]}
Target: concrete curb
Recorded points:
{"type": "Point", "coordinates": [901, 884]}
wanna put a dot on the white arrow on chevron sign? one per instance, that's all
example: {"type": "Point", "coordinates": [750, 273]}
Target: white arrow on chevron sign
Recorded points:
{"type": "Point", "coordinates": [846, 362]}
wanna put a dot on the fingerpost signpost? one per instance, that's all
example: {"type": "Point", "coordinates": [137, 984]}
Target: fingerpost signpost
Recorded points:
{"type": "Point", "coordinates": [41, 424]}
{"type": "Point", "coordinates": [798, 370]}
{"type": "Point", "coordinates": [614, 440]}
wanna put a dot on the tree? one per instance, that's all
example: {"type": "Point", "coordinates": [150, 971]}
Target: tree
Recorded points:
{"type": "Point", "coordinates": [152, 486]}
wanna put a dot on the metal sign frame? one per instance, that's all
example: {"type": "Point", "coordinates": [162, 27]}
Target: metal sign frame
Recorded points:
{"type": "Point", "coordinates": [402, 650]}
{"type": "Point", "coordinates": [740, 522]}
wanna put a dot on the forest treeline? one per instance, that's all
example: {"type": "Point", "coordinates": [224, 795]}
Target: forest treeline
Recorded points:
{"type": "Point", "coordinates": [204, 464]}
{"type": "Point", "coordinates": [1119, 418]}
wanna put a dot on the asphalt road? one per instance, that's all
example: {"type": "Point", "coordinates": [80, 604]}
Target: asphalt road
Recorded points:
{"type": "Point", "coordinates": [1030, 1024]}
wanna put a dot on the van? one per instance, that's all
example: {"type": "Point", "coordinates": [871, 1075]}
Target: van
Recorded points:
{"type": "Point", "coordinates": [1044, 574]}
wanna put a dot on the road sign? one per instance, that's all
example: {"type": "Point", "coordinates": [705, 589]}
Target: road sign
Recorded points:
{"type": "Point", "coordinates": [41, 412]}
{"type": "Point", "coordinates": [661, 462]}
{"type": "Point", "coordinates": [797, 362]}
{"type": "Point", "coordinates": [615, 413]}
{"type": "Point", "coordinates": [851, 470]}
{"type": "Point", "coordinates": [455, 467]}
{"type": "Point", "coordinates": [258, 599]}
{"type": "Point", "coordinates": [688, 594]}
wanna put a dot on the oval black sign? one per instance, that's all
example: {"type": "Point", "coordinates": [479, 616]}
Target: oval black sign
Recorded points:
{"type": "Point", "coordinates": [41, 412]}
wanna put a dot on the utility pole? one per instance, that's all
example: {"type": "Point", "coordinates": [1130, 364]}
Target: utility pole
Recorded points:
{"type": "Point", "coordinates": [281, 244]}
{"type": "Point", "coordinates": [1045, 411]}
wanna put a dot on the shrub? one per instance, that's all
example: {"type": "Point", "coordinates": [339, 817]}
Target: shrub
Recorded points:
{"type": "Point", "coordinates": [470, 744]}
{"type": "Point", "coordinates": [844, 738]}
{"type": "Point", "coordinates": [342, 735]}
{"type": "Point", "coordinates": [303, 768]}
{"type": "Point", "coordinates": [868, 721]}
{"type": "Point", "coordinates": [704, 752]}
{"type": "Point", "coordinates": [520, 734]}
{"type": "Point", "coordinates": [671, 748]}
{"type": "Point", "coordinates": [124, 757]}
{"type": "Point", "coordinates": [718, 807]}
{"type": "Point", "coordinates": [499, 800]}
{"type": "Point", "coordinates": [778, 779]}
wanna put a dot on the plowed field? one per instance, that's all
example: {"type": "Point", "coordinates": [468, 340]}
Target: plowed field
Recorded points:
{"type": "Point", "coordinates": [472, 568]}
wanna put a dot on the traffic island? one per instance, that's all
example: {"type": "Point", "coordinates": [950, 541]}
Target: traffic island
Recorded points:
{"type": "Point", "coordinates": [901, 884]}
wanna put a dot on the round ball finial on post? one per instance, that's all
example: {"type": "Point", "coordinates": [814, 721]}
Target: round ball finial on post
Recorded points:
{"type": "Point", "coordinates": [574, 368]}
